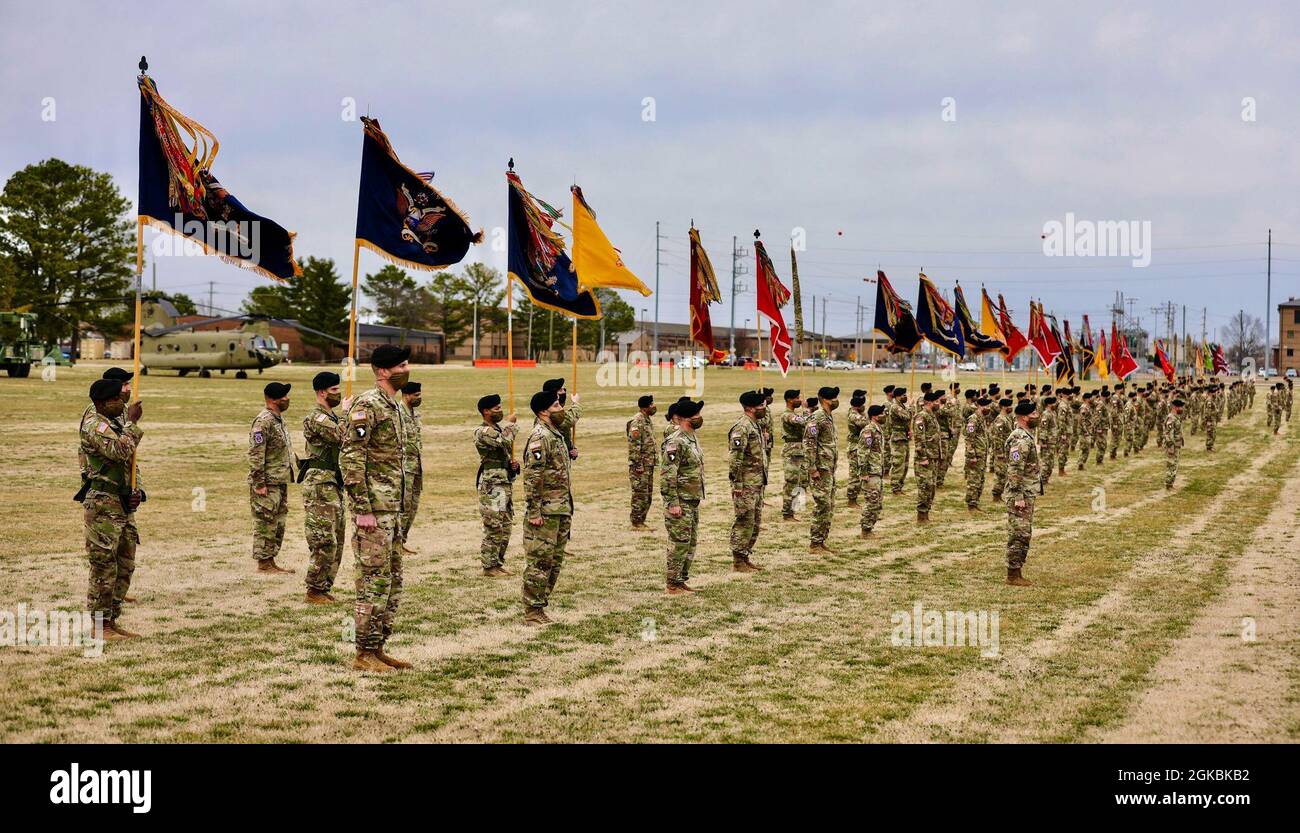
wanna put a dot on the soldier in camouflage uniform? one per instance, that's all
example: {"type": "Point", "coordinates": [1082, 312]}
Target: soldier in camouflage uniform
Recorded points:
{"type": "Point", "coordinates": [497, 469]}
{"type": "Point", "coordinates": [1047, 439]}
{"type": "Point", "coordinates": [548, 499]}
{"type": "Point", "coordinates": [857, 419]}
{"type": "Point", "coordinates": [793, 459]}
{"type": "Point", "coordinates": [570, 415]}
{"type": "Point", "coordinates": [123, 377]}
{"type": "Point", "coordinates": [885, 452]}
{"type": "Point", "coordinates": [871, 467]}
{"type": "Point", "coordinates": [108, 443]}
{"type": "Point", "coordinates": [898, 431]}
{"type": "Point", "coordinates": [1084, 421]}
{"type": "Point", "coordinates": [823, 455]}
{"type": "Point", "coordinates": [747, 473]}
{"type": "Point", "coordinates": [1023, 477]}
{"type": "Point", "coordinates": [1064, 418]}
{"type": "Point", "coordinates": [998, 432]}
{"type": "Point", "coordinates": [642, 456]}
{"type": "Point", "coordinates": [1101, 422]}
{"type": "Point", "coordinates": [1172, 441]}
{"type": "Point", "coordinates": [929, 447]}
{"type": "Point", "coordinates": [322, 488]}
{"type": "Point", "coordinates": [1273, 404]}
{"type": "Point", "coordinates": [765, 423]}
{"type": "Point", "coordinates": [681, 483]}
{"type": "Point", "coordinates": [374, 466]}
{"type": "Point", "coordinates": [1116, 422]}
{"type": "Point", "coordinates": [1076, 417]}
{"type": "Point", "coordinates": [977, 453]}
{"type": "Point", "coordinates": [414, 484]}
{"type": "Point", "coordinates": [270, 470]}
{"type": "Point", "coordinates": [1212, 419]}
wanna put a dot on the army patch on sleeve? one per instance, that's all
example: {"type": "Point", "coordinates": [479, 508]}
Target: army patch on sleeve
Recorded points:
{"type": "Point", "coordinates": [812, 430]}
{"type": "Point", "coordinates": [322, 418]}
{"type": "Point", "coordinates": [737, 442]}
{"type": "Point", "coordinates": [537, 453]}
{"type": "Point", "coordinates": [103, 426]}
{"type": "Point", "coordinates": [1015, 456]}
{"type": "Point", "coordinates": [870, 440]}
{"type": "Point", "coordinates": [361, 432]}
{"type": "Point", "coordinates": [258, 438]}
{"type": "Point", "coordinates": [359, 414]}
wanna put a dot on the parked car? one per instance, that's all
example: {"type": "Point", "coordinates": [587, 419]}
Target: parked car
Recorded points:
{"type": "Point", "coordinates": [1290, 373]}
{"type": "Point", "coordinates": [839, 364]}
{"type": "Point", "coordinates": [812, 362]}
{"type": "Point", "coordinates": [691, 362]}
{"type": "Point", "coordinates": [969, 366]}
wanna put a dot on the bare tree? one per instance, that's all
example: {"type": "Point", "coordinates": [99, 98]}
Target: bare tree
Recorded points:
{"type": "Point", "coordinates": [1243, 337]}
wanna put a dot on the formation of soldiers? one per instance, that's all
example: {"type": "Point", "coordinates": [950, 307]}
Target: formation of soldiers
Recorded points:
{"type": "Point", "coordinates": [362, 461]}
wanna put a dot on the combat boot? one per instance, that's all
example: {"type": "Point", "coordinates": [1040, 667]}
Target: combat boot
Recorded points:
{"type": "Point", "coordinates": [536, 617]}
{"type": "Point", "coordinates": [974, 510]}
{"type": "Point", "coordinates": [640, 527]}
{"type": "Point", "coordinates": [119, 630]}
{"type": "Point", "coordinates": [853, 502]}
{"type": "Point", "coordinates": [495, 572]}
{"type": "Point", "coordinates": [675, 589]}
{"type": "Point", "coordinates": [742, 565]}
{"type": "Point", "coordinates": [922, 517]}
{"type": "Point", "coordinates": [688, 588]}
{"type": "Point", "coordinates": [790, 519]}
{"type": "Point", "coordinates": [367, 661]}
{"type": "Point", "coordinates": [316, 597]}
{"type": "Point", "coordinates": [866, 533]}
{"type": "Point", "coordinates": [111, 633]}
{"type": "Point", "coordinates": [129, 599]}
{"type": "Point", "coordinates": [820, 549]}
{"type": "Point", "coordinates": [1015, 579]}
{"type": "Point", "coordinates": [408, 550]}
{"type": "Point", "coordinates": [391, 662]}
{"type": "Point", "coordinates": [269, 566]}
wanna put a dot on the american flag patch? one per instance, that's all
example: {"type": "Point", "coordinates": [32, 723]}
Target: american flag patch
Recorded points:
{"type": "Point", "coordinates": [358, 414]}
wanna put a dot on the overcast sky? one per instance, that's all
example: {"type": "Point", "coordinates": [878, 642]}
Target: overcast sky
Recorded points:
{"type": "Point", "coordinates": [767, 116]}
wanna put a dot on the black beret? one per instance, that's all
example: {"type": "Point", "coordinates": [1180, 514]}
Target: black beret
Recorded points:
{"type": "Point", "coordinates": [875, 410]}
{"type": "Point", "coordinates": [792, 393]}
{"type": "Point", "coordinates": [971, 393]}
{"type": "Point", "coordinates": [1105, 393]}
{"type": "Point", "coordinates": [899, 391]}
{"type": "Point", "coordinates": [925, 386]}
{"type": "Point", "coordinates": [933, 395]}
{"type": "Point", "coordinates": [993, 387]}
{"type": "Point", "coordinates": [487, 403]}
{"type": "Point", "coordinates": [689, 409]}
{"type": "Point", "coordinates": [752, 399]}
{"type": "Point", "coordinates": [102, 390]}
{"type": "Point", "coordinates": [387, 356]}
{"type": "Point", "coordinates": [828, 392]}
{"type": "Point", "coordinates": [768, 391]}
{"type": "Point", "coordinates": [275, 390]}
{"type": "Point", "coordinates": [672, 412]}
{"type": "Point", "coordinates": [1049, 400]}
{"type": "Point", "coordinates": [645, 401]}
{"type": "Point", "coordinates": [811, 402]}
{"type": "Point", "coordinates": [117, 374]}
{"type": "Point", "coordinates": [411, 387]}
{"type": "Point", "coordinates": [1025, 408]}
{"type": "Point", "coordinates": [1004, 403]}
{"type": "Point", "coordinates": [983, 401]}
{"type": "Point", "coordinates": [542, 400]}
{"type": "Point", "coordinates": [859, 392]}
{"type": "Point", "coordinates": [857, 400]}
{"type": "Point", "coordinates": [1047, 388]}
{"type": "Point", "coordinates": [324, 380]}
{"type": "Point", "coordinates": [889, 389]}
{"type": "Point", "coordinates": [1177, 403]}
{"type": "Point", "coordinates": [553, 384]}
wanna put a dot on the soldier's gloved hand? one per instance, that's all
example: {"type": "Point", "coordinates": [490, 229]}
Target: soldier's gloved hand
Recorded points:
{"type": "Point", "coordinates": [261, 490]}
{"type": "Point", "coordinates": [514, 466]}
{"type": "Point", "coordinates": [573, 453]}
{"type": "Point", "coordinates": [534, 521]}
{"type": "Point", "coordinates": [134, 500]}
{"type": "Point", "coordinates": [675, 511]}
{"type": "Point", "coordinates": [512, 418]}
{"type": "Point", "coordinates": [134, 411]}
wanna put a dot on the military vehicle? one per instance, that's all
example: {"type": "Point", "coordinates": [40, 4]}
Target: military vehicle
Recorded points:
{"type": "Point", "coordinates": [19, 348]}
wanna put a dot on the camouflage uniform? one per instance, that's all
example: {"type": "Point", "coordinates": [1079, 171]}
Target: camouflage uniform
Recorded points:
{"type": "Point", "coordinates": [765, 427]}
{"type": "Point", "coordinates": [871, 463]}
{"type": "Point", "coordinates": [1047, 443]}
{"type": "Point", "coordinates": [794, 460]}
{"type": "Point", "coordinates": [1115, 424]}
{"type": "Point", "coordinates": [322, 496]}
{"type": "Point", "coordinates": [548, 495]}
{"type": "Point", "coordinates": [270, 464]}
{"type": "Point", "coordinates": [950, 427]}
{"type": "Point", "coordinates": [111, 536]}
{"type": "Point", "coordinates": [1085, 431]}
{"type": "Point", "coordinates": [1076, 422]}
{"type": "Point", "coordinates": [1022, 480]}
{"type": "Point", "coordinates": [823, 456]}
{"type": "Point", "coordinates": [641, 460]}
{"type": "Point", "coordinates": [413, 482]}
{"type": "Point", "coordinates": [1063, 417]}
{"type": "Point", "coordinates": [1101, 418]}
{"type": "Point", "coordinates": [898, 421]}
{"type": "Point", "coordinates": [748, 475]}
{"type": "Point", "coordinates": [997, 439]}
{"type": "Point", "coordinates": [1211, 423]}
{"type": "Point", "coordinates": [495, 445]}
{"type": "Point", "coordinates": [373, 462]}
{"type": "Point", "coordinates": [929, 448]}
{"type": "Point", "coordinates": [977, 456]}
{"type": "Point", "coordinates": [1172, 440]}
{"type": "Point", "coordinates": [857, 419]}
{"type": "Point", "coordinates": [681, 483]}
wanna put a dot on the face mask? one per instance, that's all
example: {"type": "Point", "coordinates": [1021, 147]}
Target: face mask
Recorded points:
{"type": "Point", "coordinates": [416, 402]}
{"type": "Point", "coordinates": [562, 398]}
{"type": "Point", "coordinates": [496, 416]}
{"type": "Point", "coordinates": [696, 422]}
{"type": "Point", "coordinates": [1033, 422]}
{"type": "Point", "coordinates": [282, 405]}
{"type": "Point", "coordinates": [333, 399]}
{"type": "Point", "coordinates": [835, 403]}
{"type": "Point", "coordinates": [654, 409]}
{"type": "Point", "coordinates": [759, 413]}
{"type": "Point", "coordinates": [397, 380]}
{"type": "Point", "coordinates": [114, 409]}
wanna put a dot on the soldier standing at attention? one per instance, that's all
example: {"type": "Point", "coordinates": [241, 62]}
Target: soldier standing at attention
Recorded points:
{"type": "Point", "coordinates": [1076, 417]}
{"type": "Point", "coordinates": [929, 447]}
{"type": "Point", "coordinates": [898, 429]}
{"type": "Point", "coordinates": [123, 377]}
{"type": "Point", "coordinates": [322, 488]}
{"type": "Point", "coordinates": [374, 467]}
{"type": "Point", "coordinates": [793, 459]}
{"type": "Point", "coordinates": [1116, 422]}
{"type": "Point", "coordinates": [1211, 419]}
{"type": "Point", "coordinates": [1084, 420]}
{"type": "Point", "coordinates": [1047, 439]}
{"type": "Point", "coordinates": [748, 475]}
{"type": "Point", "coordinates": [857, 419]}
{"type": "Point", "coordinates": [108, 445]}
{"type": "Point", "coordinates": [414, 484]}
{"type": "Point", "coordinates": [570, 413]}
{"type": "Point", "coordinates": [1172, 440]}
{"type": "Point", "coordinates": [871, 467]}
{"type": "Point", "coordinates": [765, 423]}
{"type": "Point", "coordinates": [497, 469]}
{"type": "Point", "coordinates": [1022, 478]}
{"type": "Point", "coordinates": [548, 498]}
{"type": "Point", "coordinates": [682, 487]}
{"type": "Point", "coordinates": [642, 457]}
{"type": "Point", "coordinates": [999, 431]}
{"type": "Point", "coordinates": [1064, 416]}
{"type": "Point", "coordinates": [1101, 423]}
{"type": "Point", "coordinates": [270, 469]}
{"type": "Point", "coordinates": [977, 454]}
{"type": "Point", "coordinates": [950, 427]}
{"type": "Point", "coordinates": [885, 452]}
{"type": "Point", "coordinates": [823, 455]}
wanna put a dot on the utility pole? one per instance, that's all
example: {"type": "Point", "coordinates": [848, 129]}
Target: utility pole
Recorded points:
{"type": "Point", "coordinates": [1268, 304]}
{"type": "Point", "coordinates": [531, 307]}
{"type": "Point", "coordinates": [658, 237]}
{"type": "Point", "coordinates": [474, 350]}
{"type": "Point", "coordinates": [211, 284]}
{"type": "Point", "coordinates": [823, 328]}
{"type": "Point", "coordinates": [1187, 358]}
{"type": "Point", "coordinates": [737, 269]}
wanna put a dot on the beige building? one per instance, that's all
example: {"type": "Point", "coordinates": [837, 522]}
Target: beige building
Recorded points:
{"type": "Point", "coordinates": [1288, 336]}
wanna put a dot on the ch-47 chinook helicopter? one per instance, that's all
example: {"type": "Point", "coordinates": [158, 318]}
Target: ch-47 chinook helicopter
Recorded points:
{"type": "Point", "coordinates": [182, 348]}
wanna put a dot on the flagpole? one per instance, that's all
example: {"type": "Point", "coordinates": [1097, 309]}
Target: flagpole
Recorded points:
{"type": "Point", "coordinates": [139, 279]}
{"type": "Point", "coordinates": [352, 320]}
{"type": "Point", "coordinates": [510, 341]}
{"type": "Point", "coordinates": [871, 381]}
{"type": "Point", "coordinates": [575, 354]}
{"type": "Point", "coordinates": [758, 333]}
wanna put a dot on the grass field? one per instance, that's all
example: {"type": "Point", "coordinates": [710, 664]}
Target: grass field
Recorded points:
{"type": "Point", "coordinates": [1132, 632]}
